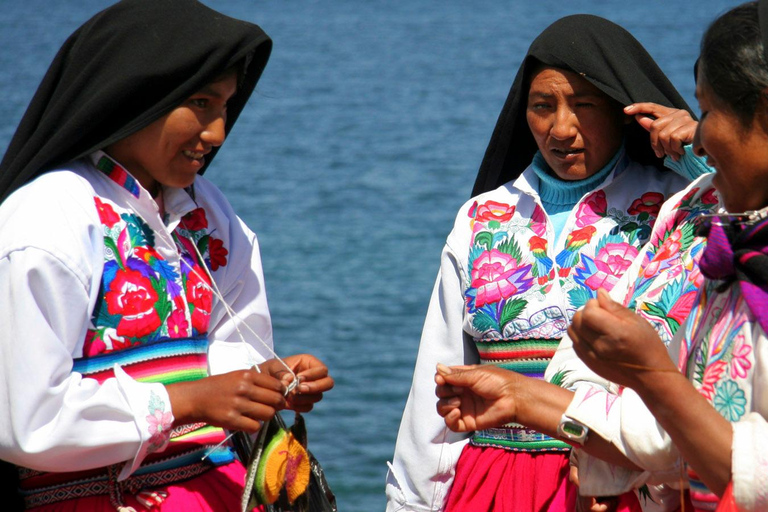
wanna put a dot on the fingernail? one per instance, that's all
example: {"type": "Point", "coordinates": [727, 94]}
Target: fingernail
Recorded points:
{"type": "Point", "coordinates": [629, 108]}
{"type": "Point", "coordinates": [441, 368]}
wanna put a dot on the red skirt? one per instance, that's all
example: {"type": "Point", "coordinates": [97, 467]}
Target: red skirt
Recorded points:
{"type": "Point", "coordinates": [214, 491]}
{"type": "Point", "coordinates": [498, 480]}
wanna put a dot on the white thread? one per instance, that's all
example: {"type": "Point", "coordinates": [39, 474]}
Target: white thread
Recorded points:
{"type": "Point", "coordinates": [233, 314]}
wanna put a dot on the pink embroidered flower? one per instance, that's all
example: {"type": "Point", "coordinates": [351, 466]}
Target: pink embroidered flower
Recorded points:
{"type": "Point", "coordinates": [195, 220]}
{"type": "Point", "coordinates": [649, 203]}
{"type": "Point", "coordinates": [711, 376]}
{"type": "Point", "coordinates": [132, 297]}
{"type": "Point", "coordinates": [669, 248]}
{"type": "Point", "coordinates": [496, 275]}
{"type": "Point", "coordinates": [592, 209]}
{"type": "Point", "coordinates": [217, 253]}
{"type": "Point", "coordinates": [491, 210]}
{"type": "Point", "coordinates": [539, 221]}
{"type": "Point", "coordinates": [682, 306]}
{"type": "Point", "coordinates": [740, 363]}
{"type": "Point", "coordinates": [107, 214]}
{"type": "Point", "coordinates": [178, 327]}
{"type": "Point", "coordinates": [200, 296]}
{"type": "Point", "coordinates": [611, 262]}
{"type": "Point", "coordinates": [93, 345]}
{"type": "Point", "coordinates": [159, 426]}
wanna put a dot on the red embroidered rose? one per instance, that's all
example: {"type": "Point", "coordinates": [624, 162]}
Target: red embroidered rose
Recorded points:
{"type": "Point", "coordinates": [649, 203]}
{"type": "Point", "coordinates": [107, 214]}
{"type": "Point", "coordinates": [217, 253]}
{"type": "Point", "coordinates": [491, 210]}
{"type": "Point", "coordinates": [132, 297]}
{"type": "Point", "coordinates": [195, 220]}
{"type": "Point", "coordinates": [200, 297]}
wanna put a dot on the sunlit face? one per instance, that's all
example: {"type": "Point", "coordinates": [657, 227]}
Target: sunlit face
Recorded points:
{"type": "Point", "coordinates": [172, 150]}
{"type": "Point", "coordinates": [577, 127]}
{"type": "Point", "coordinates": [738, 153]}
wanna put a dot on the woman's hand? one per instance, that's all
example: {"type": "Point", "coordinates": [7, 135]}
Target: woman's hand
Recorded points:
{"type": "Point", "coordinates": [237, 400]}
{"type": "Point", "coordinates": [670, 128]}
{"type": "Point", "coordinates": [475, 397]}
{"type": "Point", "coordinates": [616, 343]}
{"type": "Point", "coordinates": [313, 379]}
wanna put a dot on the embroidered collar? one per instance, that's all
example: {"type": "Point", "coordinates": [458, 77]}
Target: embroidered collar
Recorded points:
{"type": "Point", "coordinates": [115, 172]}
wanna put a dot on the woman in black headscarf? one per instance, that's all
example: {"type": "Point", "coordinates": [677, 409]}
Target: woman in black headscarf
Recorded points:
{"type": "Point", "coordinates": [119, 366]}
{"type": "Point", "coordinates": [567, 193]}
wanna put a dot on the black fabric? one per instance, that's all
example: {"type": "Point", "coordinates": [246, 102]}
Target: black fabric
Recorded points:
{"type": "Point", "coordinates": [606, 55]}
{"type": "Point", "coordinates": [762, 16]}
{"type": "Point", "coordinates": [126, 67]}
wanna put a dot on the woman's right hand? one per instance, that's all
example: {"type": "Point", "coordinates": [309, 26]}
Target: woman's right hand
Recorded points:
{"type": "Point", "coordinates": [670, 128]}
{"type": "Point", "coordinates": [237, 400]}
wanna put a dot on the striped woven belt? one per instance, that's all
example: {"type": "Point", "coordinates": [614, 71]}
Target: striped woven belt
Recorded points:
{"type": "Point", "coordinates": [165, 361]}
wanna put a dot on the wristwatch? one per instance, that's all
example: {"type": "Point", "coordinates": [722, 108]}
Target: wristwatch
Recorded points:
{"type": "Point", "coordinates": [572, 430]}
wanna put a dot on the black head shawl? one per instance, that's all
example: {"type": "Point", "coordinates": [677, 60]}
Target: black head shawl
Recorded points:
{"type": "Point", "coordinates": [126, 67]}
{"type": "Point", "coordinates": [607, 56]}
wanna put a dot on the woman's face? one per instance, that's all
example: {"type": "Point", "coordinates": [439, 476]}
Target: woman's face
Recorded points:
{"type": "Point", "coordinates": [172, 150]}
{"type": "Point", "coordinates": [577, 127]}
{"type": "Point", "coordinates": [738, 153]}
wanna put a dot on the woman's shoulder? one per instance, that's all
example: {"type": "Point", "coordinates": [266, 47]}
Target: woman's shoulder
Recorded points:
{"type": "Point", "coordinates": [50, 211]}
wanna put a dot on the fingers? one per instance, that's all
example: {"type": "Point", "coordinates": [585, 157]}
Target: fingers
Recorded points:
{"type": "Point", "coordinates": [669, 129]}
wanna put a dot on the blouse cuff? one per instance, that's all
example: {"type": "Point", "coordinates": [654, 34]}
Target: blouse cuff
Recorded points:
{"type": "Point", "coordinates": [151, 407]}
{"type": "Point", "coordinates": [749, 463]}
{"type": "Point", "coordinates": [690, 165]}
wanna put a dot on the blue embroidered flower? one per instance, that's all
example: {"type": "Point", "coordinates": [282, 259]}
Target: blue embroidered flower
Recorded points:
{"type": "Point", "coordinates": [730, 401]}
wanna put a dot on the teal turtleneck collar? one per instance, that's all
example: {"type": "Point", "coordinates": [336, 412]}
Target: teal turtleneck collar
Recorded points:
{"type": "Point", "coordinates": [562, 194]}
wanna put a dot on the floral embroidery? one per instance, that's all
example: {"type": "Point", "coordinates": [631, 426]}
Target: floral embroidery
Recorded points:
{"type": "Point", "coordinates": [592, 209]}
{"type": "Point", "coordinates": [143, 296]}
{"type": "Point", "coordinates": [729, 401]}
{"type": "Point", "coordinates": [649, 203]}
{"type": "Point", "coordinates": [740, 363]}
{"type": "Point", "coordinates": [160, 421]}
{"type": "Point", "coordinates": [511, 265]}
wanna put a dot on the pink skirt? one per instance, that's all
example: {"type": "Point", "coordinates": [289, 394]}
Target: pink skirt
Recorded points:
{"type": "Point", "coordinates": [214, 491]}
{"type": "Point", "coordinates": [498, 480]}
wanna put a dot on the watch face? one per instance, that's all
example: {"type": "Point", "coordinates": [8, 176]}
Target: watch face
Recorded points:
{"type": "Point", "coordinates": [572, 429]}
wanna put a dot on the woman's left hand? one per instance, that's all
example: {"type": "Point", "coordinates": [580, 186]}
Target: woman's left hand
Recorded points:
{"type": "Point", "coordinates": [313, 376]}
{"type": "Point", "coordinates": [616, 343]}
{"type": "Point", "coordinates": [670, 128]}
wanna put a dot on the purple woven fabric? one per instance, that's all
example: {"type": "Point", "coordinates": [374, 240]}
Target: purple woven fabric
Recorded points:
{"type": "Point", "coordinates": [738, 252]}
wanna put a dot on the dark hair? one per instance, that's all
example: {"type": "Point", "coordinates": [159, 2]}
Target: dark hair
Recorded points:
{"type": "Point", "coordinates": [733, 60]}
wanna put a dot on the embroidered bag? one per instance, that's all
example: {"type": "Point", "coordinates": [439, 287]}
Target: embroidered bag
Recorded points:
{"type": "Point", "coordinates": [277, 482]}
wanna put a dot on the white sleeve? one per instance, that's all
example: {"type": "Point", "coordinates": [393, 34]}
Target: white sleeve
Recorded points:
{"type": "Point", "coordinates": [52, 419]}
{"type": "Point", "coordinates": [241, 282]}
{"type": "Point", "coordinates": [749, 451]}
{"type": "Point", "coordinates": [426, 452]}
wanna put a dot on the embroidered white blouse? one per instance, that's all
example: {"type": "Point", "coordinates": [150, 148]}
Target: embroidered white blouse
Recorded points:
{"type": "Point", "coordinates": [426, 452]}
{"type": "Point", "coordinates": [51, 262]}
{"type": "Point", "coordinates": [730, 374]}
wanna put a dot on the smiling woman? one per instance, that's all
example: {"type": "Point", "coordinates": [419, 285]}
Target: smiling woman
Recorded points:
{"type": "Point", "coordinates": [568, 191]}
{"type": "Point", "coordinates": [113, 248]}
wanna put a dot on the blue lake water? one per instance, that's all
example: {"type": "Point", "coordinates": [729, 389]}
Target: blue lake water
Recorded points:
{"type": "Point", "coordinates": [361, 142]}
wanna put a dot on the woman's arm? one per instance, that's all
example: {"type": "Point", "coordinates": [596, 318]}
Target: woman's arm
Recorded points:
{"type": "Point", "coordinates": [622, 347]}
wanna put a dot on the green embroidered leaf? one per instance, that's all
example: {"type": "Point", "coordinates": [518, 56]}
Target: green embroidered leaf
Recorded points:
{"type": "Point", "coordinates": [558, 378]}
{"type": "Point", "coordinates": [629, 227]}
{"type": "Point", "coordinates": [688, 232]}
{"type": "Point", "coordinates": [202, 245]}
{"type": "Point", "coordinates": [483, 322]}
{"type": "Point", "coordinates": [653, 309]}
{"type": "Point", "coordinates": [485, 239]}
{"type": "Point", "coordinates": [510, 246]}
{"type": "Point", "coordinates": [579, 297]}
{"type": "Point", "coordinates": [512, 310]}
{"type": "Point", "coordinates": [163, 306]}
